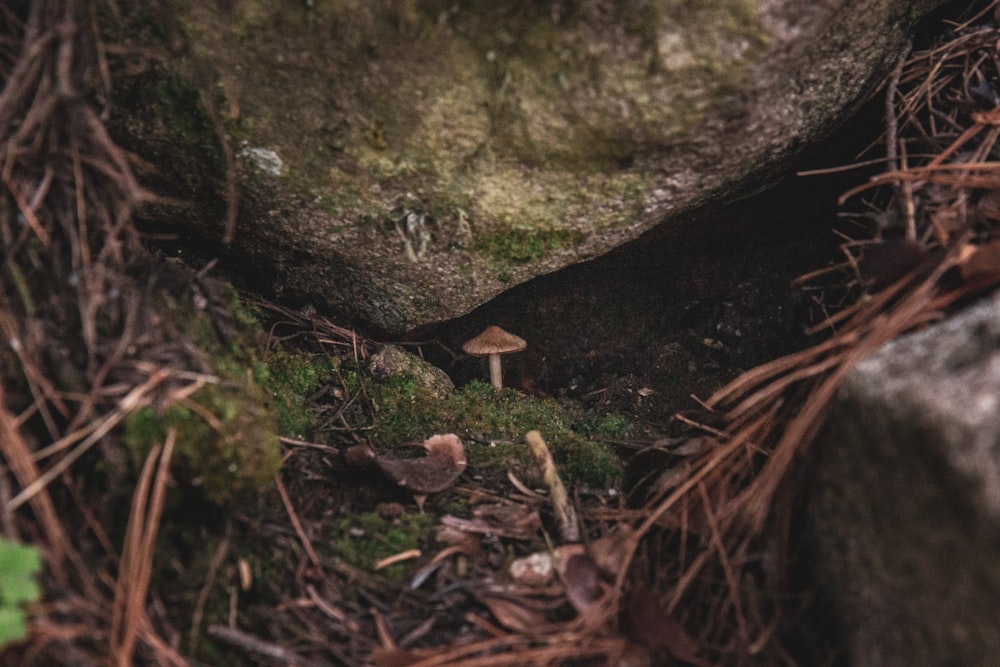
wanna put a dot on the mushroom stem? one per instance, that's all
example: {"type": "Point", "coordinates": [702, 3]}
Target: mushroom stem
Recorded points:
{"type": "Point", "coordinates": [492, 343]}
{"type": "Point", "coordinates": [496, 375]}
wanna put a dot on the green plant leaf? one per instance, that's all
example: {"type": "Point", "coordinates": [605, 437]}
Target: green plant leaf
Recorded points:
{"type": "Point", "coordinates": [12, 625]}
{"type": "Point", "coordinates": [18, 566]}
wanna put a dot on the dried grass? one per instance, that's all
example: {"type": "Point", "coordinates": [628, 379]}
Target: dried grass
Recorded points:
{"type": "Point", "coordinates": [68, 310]}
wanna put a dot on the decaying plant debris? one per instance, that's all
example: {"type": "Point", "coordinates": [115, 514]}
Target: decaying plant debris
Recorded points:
{"type": "Point", "coordinates": [695, 575]}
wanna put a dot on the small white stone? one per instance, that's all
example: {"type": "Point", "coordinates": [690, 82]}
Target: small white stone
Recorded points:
{"type": "Point", "coordinates": [266, 160]}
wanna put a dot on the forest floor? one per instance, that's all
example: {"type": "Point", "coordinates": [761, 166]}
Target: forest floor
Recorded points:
{"type": "Point", "coordinates": [216, 479]}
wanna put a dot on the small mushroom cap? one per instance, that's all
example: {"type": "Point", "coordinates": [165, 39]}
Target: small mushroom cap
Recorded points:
{"type": "Point", "coordinates": [494, 340]}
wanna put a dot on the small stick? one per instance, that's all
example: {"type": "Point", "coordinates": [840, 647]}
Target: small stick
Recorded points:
{"type": "Point", "coordinates": [569, 526]}
{"type": "Point", "coordinates": [891, 119]}
{"type": "Point", "coordinates": [251, 644]}
{"type": "Point", "coordinates": [397, 558]}
{"type": "Point", "coordinates": [306, 544]}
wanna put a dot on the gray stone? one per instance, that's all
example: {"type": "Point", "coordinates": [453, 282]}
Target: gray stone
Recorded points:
{"type": "Point", "coordinates": [404, 162]}
{"type": "Point", "coordinates": [904, 498]}
{"type": "Point", "coordinates": [393, 360]}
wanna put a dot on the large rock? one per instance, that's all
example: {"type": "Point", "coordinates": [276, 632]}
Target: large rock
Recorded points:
{"type": "Point", "coordinates": [904, 507]}
{"type": "Point", "coordinates": [405, 162]}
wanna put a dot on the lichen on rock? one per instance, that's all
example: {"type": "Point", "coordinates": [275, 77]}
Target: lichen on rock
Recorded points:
{"type": "Point", "coordinates": [436, 154]}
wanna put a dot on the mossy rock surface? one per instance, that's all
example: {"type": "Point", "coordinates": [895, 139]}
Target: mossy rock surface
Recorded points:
{"type": "Point", "coordinates": [403, 162]}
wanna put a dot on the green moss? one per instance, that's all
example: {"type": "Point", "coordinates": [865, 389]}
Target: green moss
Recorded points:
{"type": "Point", "coordinates": [478, 412]}
{"type": "Point", "coordinates": [226, 434]}
{"type": "Point", "coordinates": [582, 460]}
{"type": "Point", "coordinates": [226, 442]}
{"type": "Point", "coordinates": [612, 426]}
{"type": "Point", "coordinates": [507, 413]}
{"type": "Point", "coordinates": [364, 539]}
{"type": "Point", "coordinates": [289, 379]}
{"type": "Point", "coordinates": [245, 314]}
{"type": "Point", "coordinates": [404, 411]}
{"type": "Point", "coordinates": [520, 245]}
{"type": "Point", "coordinates": [168, 116]}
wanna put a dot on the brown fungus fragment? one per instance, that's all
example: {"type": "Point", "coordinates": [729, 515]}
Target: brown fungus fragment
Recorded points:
{"type": "Point", "coordinates": [433, 473]}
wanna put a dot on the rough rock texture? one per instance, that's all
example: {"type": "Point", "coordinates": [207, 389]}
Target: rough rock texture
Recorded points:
{"type": "Point", "coordinates": [404, 162]}
{"type": "Point", "coordinates": [393, 360]}
{"type": "Point", "coordinates": [904, 504]}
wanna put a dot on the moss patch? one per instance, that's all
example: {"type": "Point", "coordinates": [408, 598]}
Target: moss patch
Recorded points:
{"type": "Point", "coordinates": [226, 434]}
{"type": "Point", "coordinates": [290, 378]}
{"type": "Point", "coordinates": [492, 423]}
{"type": "Point", "coordinates": [612, 426]}
{"type": "Point", "coordinates": [226, 441]}
{"type": "Point", "coordinates": [521, 245]}
{"type": "Point", "coordinates": [364, 539]}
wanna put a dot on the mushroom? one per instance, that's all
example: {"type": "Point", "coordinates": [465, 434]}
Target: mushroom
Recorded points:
{"type": "Point", "coordinates": [494, 342]}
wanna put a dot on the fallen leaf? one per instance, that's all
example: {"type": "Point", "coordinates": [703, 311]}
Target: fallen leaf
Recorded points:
{"type": "Point", "coordinates": [359, 455]}
{"type": "Point", "coordinates": [513, 615]}
{"type": "Point", "coordinates": [609, 551]}
{"type": "Point", "coordinates": [515, 520]}
{"type": "Point", "coordinates": [584, 584]}
{"type": "Point", "coordinates": [433, 473]}
{"type": "Point", "coordinates": [453, 536]}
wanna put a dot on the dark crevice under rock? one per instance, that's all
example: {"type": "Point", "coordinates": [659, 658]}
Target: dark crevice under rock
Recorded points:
{"type": "Point", "coordinates": [681, 310]}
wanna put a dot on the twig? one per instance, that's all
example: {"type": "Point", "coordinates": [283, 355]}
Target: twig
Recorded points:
{"type": "Point", "coordinates": [409, 554]}
{"type": "Point", "coordinates": [199, 607]}
{"type": "Point", "coordinates": [569, 524]}
{"type": "Point", "coordinates": [252, 644]}
{"type": "Point", "coordinates": [294, 518]}
{"type": "Point", "coordinates": [129, 403]}
{"type": "Point", "coordinates": [350, 625]}
{"type": "Point", "coordinates": [136, 564]}
{"type": "Point", "coordinates": [732, 579]}
{"type": "Point", "coordinates": [891, 125]}
{"type": "Point", "coordinates": [18, 457]}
